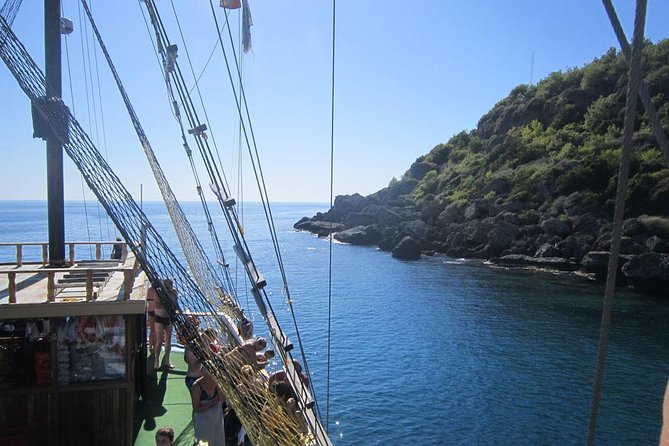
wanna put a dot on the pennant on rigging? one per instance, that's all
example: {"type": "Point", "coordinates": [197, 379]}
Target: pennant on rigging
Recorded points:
{"type": "Point", "coordinates": [231, 4]}
{"type": "Point", "coordinates": [247, 22]}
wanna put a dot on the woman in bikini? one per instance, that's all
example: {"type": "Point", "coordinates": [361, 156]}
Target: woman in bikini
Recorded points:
{"type": "Point", "coordinates": [207, 410]}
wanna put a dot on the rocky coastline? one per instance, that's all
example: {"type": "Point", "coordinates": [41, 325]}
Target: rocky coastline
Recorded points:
{"type": "Point", "coordinates": [573, 234]}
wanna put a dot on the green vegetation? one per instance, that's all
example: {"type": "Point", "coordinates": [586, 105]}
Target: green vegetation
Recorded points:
{"type": "Point", "coordinates": [548, 140]}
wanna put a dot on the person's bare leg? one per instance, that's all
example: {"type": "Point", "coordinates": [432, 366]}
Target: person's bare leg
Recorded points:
{"type": "Point", "coordinates": [168, 347]}
{"type": "Point", "coordinates": [664, 435]}
{"type": "Point", "coordinates": [152, 333]}
{"type": "Point", "coordinates": [160, 334]}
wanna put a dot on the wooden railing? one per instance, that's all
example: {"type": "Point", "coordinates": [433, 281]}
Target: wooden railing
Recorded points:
{"type": "Point", "coordinates": [52, 286]}
{"type": "Point", "coordinates": [71, 246]}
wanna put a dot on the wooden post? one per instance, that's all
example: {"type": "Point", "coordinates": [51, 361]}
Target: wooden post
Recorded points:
{"type": "Point", "coordinates": [98, 251]}
{"type": "Point", "coordinates": [12, 287]}
{"type": "Point", "coordinates": [89, 284]}
{"type": "Point", "coordinates": [128, 279]}
{"type": "Point", "coordinates": [19, 254]}
{"type": "Point", "coordinates": [71, 254]}
{"type": "Point", "coordinates": [54, 149]}
{"type": "Point", "coordinates": [50, 286]}
{"type": "Point", "coordinates": [45, 253]}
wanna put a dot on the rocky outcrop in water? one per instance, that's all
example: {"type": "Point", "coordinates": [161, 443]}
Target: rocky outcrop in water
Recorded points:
{"type": "Point", "coordinates": [509, 235]}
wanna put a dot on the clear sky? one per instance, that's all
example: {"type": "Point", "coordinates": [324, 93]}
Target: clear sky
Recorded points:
{"type": "Point", "coordinates": [408, 76]}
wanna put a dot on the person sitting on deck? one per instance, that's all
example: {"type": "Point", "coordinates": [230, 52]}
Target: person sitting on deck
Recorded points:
{"type": "Point", "coordinates": [165, 436]}
{"type": "Point", "coordinates": [163, 326]}
{"type": "Point", "coordinates": [117, 249]}
{"type": "Point", "coordinates": [212, 337]}
{"type": "Point", "coordinates": [245, 328]}
{"type": "Point", "coordinates": [286, 394]}
{"type": "Point", "coordinates": [252, 349]}
{"type": "Point", "coordinates": [281, 375]}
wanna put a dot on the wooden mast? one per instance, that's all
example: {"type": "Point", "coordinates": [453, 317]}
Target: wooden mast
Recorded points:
{"type": "Point", "coordinates": [54, 150]}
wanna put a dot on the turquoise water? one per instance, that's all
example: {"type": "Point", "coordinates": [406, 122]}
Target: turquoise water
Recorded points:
{"type": "Point", "coordinates": [438, 351]}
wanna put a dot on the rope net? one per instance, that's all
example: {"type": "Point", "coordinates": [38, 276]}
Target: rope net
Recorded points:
{"type": "Point", "coordinates": [267, 417]}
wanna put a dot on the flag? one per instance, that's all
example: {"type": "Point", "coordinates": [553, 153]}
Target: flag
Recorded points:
{"type": "Point", "coordinates": [231, 4]}
{"type": "Point", "coordinates": [247, 22]}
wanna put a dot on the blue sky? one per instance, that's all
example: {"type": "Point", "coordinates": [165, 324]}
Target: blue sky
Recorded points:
{"type": "Point", "coordinates": [409, 75]}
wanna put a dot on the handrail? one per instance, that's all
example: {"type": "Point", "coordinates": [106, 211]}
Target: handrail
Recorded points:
{"type": "Point", "coordinates": [128, 280]}
{"type": "Point", "coordinates": [72, 258]}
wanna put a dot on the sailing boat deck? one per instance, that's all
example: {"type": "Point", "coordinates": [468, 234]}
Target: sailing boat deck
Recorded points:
{"type": "Point", "coordinates": [104, 286]}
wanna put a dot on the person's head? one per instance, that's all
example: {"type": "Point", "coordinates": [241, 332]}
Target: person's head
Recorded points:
{"type": "Point", "coordinates": [246, 328]}
{"type": "Point", "coordinates": [269, 354]}
{"type": "Point", "coordinates": [168, 283]}
{"type": "Point", "coordinates": [297, 365]}
{"type": "Point", "coordinates": [210, 334]}
{"type": "Point", "coordinates": [260, 343]}
{"type": "Point", "coordinates": [165, 436]}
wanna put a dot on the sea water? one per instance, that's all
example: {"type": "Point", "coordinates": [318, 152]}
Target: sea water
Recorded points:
{"type": "Point", "coordinates": [436, 351]}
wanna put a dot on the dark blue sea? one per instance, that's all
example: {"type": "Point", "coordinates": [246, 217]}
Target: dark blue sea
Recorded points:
{"type": "Point", "coordinates": [436, 351]}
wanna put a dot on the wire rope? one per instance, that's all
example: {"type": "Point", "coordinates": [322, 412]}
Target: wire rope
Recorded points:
{"type": "Point", "coordinates": [330, 244]}
{"type": "Point", "coordinates": [623, 174]}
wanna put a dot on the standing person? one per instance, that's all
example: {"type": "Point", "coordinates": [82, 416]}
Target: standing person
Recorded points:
{"type": "Point", "coordinates": [165, 436]}
{"type": "Point", "coordinates": [164, 327]}
{"type": "Point", "coordinates": [207, 411]}
{"type": "Point", "coordinates": [151, 316]}
{"type": "Point", "coordinates": [194, 365]}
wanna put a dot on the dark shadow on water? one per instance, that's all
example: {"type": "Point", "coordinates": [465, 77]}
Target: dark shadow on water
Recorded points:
{"type": "Point", "coordinates": [146, 411]}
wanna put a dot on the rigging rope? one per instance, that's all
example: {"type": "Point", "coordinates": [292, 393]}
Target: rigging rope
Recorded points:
{"type": "Point", "coordinates": [175, 82]}
{"type": "Point", "coordinates": [272, 423]}
{"type": "Point", "coordinates": [9, 10]}
{"type": "Point", "coordinates": [69, 79]}
{"type": "Point", "coordinates": [332, 123]}
{"type": "Point", "coordinates": [260, 181]}
{"type": "Point", "coordinates": [623, 173]}
{"type": "Point", "coordinates": [254, 417]}
{"type": "Point", "coordinates": [644, 95]}
{"type": "Point", "coordinates": [199, 263]}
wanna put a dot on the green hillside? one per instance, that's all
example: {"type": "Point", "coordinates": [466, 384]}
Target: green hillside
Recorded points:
{"type": "Point", "coordinates": [548, 140]}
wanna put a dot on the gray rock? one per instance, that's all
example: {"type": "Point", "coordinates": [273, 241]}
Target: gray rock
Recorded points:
{"type": "Point", "coordinates": [547, 250]}
{"type": "Point", "coordinates": [656, 244]}
{"type": "Point", "coordinates": [357, 219]}
{"type": "Point", "coordinates": [587, 224]}
{"type": "Point", "coordinates": [407, 249]}
{"type": "Point", "coordinates": [576, 246]}
{"type": "Point", "coordinates": [475, 210]}
{"type": "Point", "coordinates": [320, 228]}
{"type": "Point", "coordinates": [503, 234]}
{"type": "Point", "coordinates": [346, 204]}
{"type": "Point", "coordinates": [382, 214]}
{"type": "Point", "coordinates": [597, 262]}
{"type": "Point", "coordinates": [453, 213]}
{"type": "Point", "coordinates": [360, 235]}
{"type": "Point", "coordinates": [648, 270]}
{"type": "Point", "coordinates": [579, 203]}
{"type": "Point", "coordinates": [632, 226]}
{"type": "Point", "coordinates": [555, 226]}
{"type": "Point", "coordinates": [556, 263]}
{"type": "Point", "coordinates": [417, 229]}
